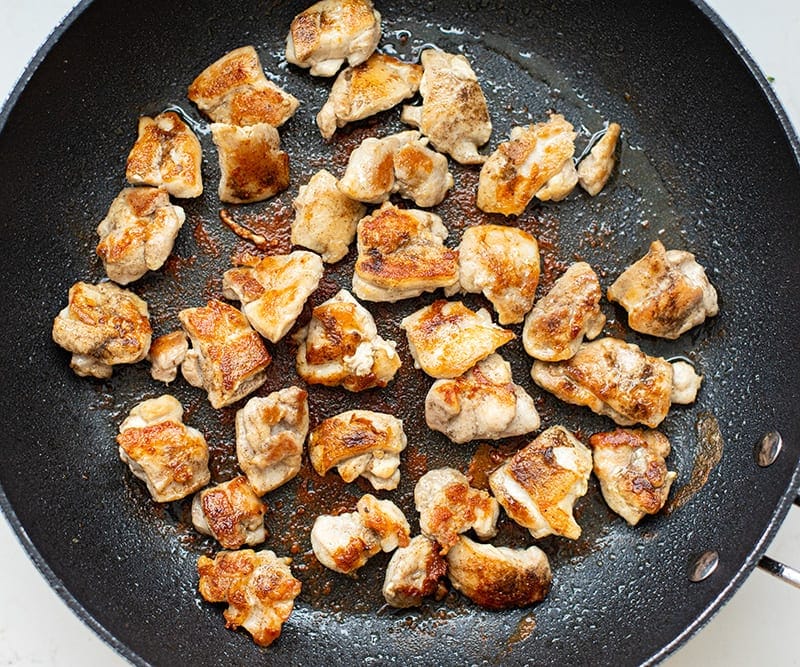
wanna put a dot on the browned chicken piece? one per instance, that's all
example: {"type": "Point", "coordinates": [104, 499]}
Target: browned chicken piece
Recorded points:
{"type": "Point", "coordinates": [499, 577]}
{"type": "Point", "coordinates": [538, 486]}
{"type": "Point", "coordinates": [341, 347]}
{"type": "Point", "coordinates": [595, 169]}
{"type": "Point", "coordinates": [170, 457]}
{"type": "Point", "coordinates": [446, 339]}
{"type": "Point", "coordinates": [454, 114]}
{"type": "Point", "coordinates": [375, 85]}
{"type": "Point", "coordinates": [234, 90]}
{"type": "Point", "coordinates": [332, 31]}
{"type": "Point", "coordinates": [138, 233]}
{"type": "Point", "coordinates": [562, 318]}
{"type": "Point", "coordinates": [666, 293]}
{"type": "Point", "coordinates": [102, 325]}
{"type": "Point", "coordinates": [274, 290]}
{"type": "Point", "coordinates": [386, 520]}
{"type": "Point", "coordinates": [325, 218]}
{"type": "Point", "coordinates": [258, 587]}
{"type": "Point", "coordinates": [631, 467]}
{"type": "Point", "coordinates": [166, 154]}
{"type": "Point", "coordinates": [270, 432]}
{"type": "Point", "coordinates": [231, 513]}
{"type": "Point", "coordinates": [413, 573]}
{"type": "Point", "coordinates": [228, 359]}
{"type": "Point", "coordinates": [166, 354]}
{"type": "Point", "coordinates": [483, 403]}
{"type": "Point", "coordinates": [401, 254]}
{"type": "Point", "coordinates": [359, 442]}
{"type": "Point", "coordinates": [252, 165]}
{"type": "Point", "coordinates": [421, 174]}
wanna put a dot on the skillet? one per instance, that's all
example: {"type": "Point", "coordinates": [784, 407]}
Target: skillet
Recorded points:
{"type": "Point", "coordinates": [722, 214]}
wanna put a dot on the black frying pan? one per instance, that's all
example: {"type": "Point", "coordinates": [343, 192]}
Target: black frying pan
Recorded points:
{"type": "Point", "coordinates": [707, 162]}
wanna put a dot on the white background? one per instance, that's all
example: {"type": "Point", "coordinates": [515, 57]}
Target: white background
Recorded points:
{"type": "Point", "coordinates": [759, 626]}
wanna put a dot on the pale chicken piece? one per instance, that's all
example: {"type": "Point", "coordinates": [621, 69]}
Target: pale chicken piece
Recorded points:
{"type": "Point", "coordinates": [235, 90]}
{"type": "Point", "coordinates": [325, 218]}
{"type": "Point", "coordinates": [341, 347]}
{"type": "Point", "coordinates": [270, 432]}
{"type": "Point", "coordinates": [170, 457]}
{"type": "Point", "coordinates": [166, 354]}
{"type": "Point", "coordinates": [484, 403]}
{"type": "Point", "coordinates": [454, 114]}
{"type": "Point", "coordinates": [258, 586]}
{"type": "Point", "coordinates": [562, 318]}
{"type": "Point", "coordinates": [166, 154]}
{"type": "Point", "coordinates": [685, 383]}
{"type": "Point", "coordinates": [666, 293]}
{"type": "Point", "coordinates": [560, 185]}
{"type": "Point", "coordinates": [231, 513]}
{"type": "Point", "coordinates": [538, 486]}
{"type": "Point", "coordinates": [369, 176]}
{"type": "Point", "coordinates": [413, 573]}
{"type": "Point", "coordinates": [331, 31]}
{"type": "Point", "coordinates": [631, 467]}
{"type": "Point", "coordinates": [228, 359]}
{"type": "Point", "coordinates": [595, 169]}
{"type": "Point", "coordinates": [138, 233]}
{"type": "Point", "coordinates": [446, 339]}
{"type": "Point", "coordinates": [102, 325]}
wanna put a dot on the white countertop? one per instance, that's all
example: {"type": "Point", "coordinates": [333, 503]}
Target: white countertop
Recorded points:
{"type": "Point", "coordinates": [757, 627]}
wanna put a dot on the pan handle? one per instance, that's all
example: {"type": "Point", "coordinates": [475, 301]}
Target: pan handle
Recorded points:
{"type": "Point", "coordinates": [778, 569]}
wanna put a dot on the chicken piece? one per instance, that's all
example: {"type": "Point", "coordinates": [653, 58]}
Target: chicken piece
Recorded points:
{"type": "Point", "coordinates": [666, 293]}
{"type": "Point", "coordinates": [449, 506]}
{"type": "Point", "coordinates": [421, 174]}
{"type": "Point", "coordinates": [369, 176]}
{"type": "Point", "coordinates": [341, 347]}
{"type": "Point", "coordinates": [453, 115]}
{"type": "Point", "coordinates": [539, 485]}
{"type": "Point", "coordinates": [234, 90]}
{"type": "Point", "coordinates": [568, 313]}
{"type": "Point", "coordinates": [170, 457]}
{"type": "Point", "coordinates": [414, 572]}
{"type": "Point", "coordinates": [166, 154]}
{"type": "Point", "coordinates": [252, 166]}
{"type": "Point", "coordinates": [446, 339]}
{"type": "Point", "coordinates": [499, 577]}
{"type": "Point", "coordinates": [228, 359]}
{"type": "Point", "coordinates": [258, 587]}
{"type": "Point", "coordinates": [631, 467]}
{"type": "Point", "coordinates": [483, 403]}
{"type": "Point", "coordinates": [325, 218]}
{"type": "Point", "coordinates": [560, 185]}
{"type": "Point", "coordinates": [332, 31]}
{"type": "Point", "coordinates": [685, 383]}
{"type": "Point", "coordinates": [231, 513]}
{"type": "Point", "coordinates": [138, 233]}
{"type": "Point", "coordinates": [386, 520]}
{"type": "Point", "coordinates": [595, 168]}
{"type": "Point", "coordinates": [166, 354]}
{"type": "Point", "coordinates": [375, 85]}
{"type": "Point", "coordinates": [102, 325]}
{"type": "Point", "coordinates": [270, 433]}
{"type": "Point", "coordinates": [401, 254]}
{"type": "Point", "coordinates": [359, 442]}
{"type": "Point", "coordinates": [274, 291]}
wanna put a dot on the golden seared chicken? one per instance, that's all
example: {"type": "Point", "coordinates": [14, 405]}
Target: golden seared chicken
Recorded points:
{"type": "Point", "coordinates": [274, 290]}
{"type": "Point", "coordinates": [631, 467]}
{"type": "Point", "coordinates": [231, 513]}
{"type": "Point", "coordinates": [252, 165]}
{"type": "Point", "coordinates": [228, 359]}
{"type": "Point", "coordinates": [502, 263]}
{"type": "Point", "coordinates": [138, 233]}
{"type": "Point", "coordinates": [359, 442]}
{"type": "Point", "coordinates": [562, 318]}
{"type": "Point", "coordinates": [595, 169]}
{"type": "Point", "coordinates": [270, 432]}
{"type": "Point", "coordinates": [366, 89]}
{"type": "Point", "coordinates": [258, 587]}
{"type": "Point", "coordinates": [332, 31]}
{"type": "Point", "coordinates": [234, 90]}
{"type": "Point", "coordinates": [499, 577]}
{"type": "Point", "coordinates": [102, 325]}
{"type": "Point", "coordinates": [539, 485]}
{"type": "Point", "coordinates": [449, 506]}
{"type": "Point", "coordinates": [446, 339]}
{"type": "Point", "coordinates": [413, 573]}
{"type": "Point", "coordinates": [340, 346]}
{"type": "Point", "coordinates": [453, 115]}
{"type": "Point", "coordinates": [666, 293]}
{"type": "Point", "coordinates": [421, 174]}
{"type": "Point", "coordinates": [401, 254]}
{"type": "Point", "coordinates": [325, 218]}
{"type": "Point", "coordinates": [170, 457]}
{"type": "Point", "coordinates": [536, 162]}
{"type": "Point", "coordinates": [166, 354]}
{"type": "Point", "coordinates": [483, 403]}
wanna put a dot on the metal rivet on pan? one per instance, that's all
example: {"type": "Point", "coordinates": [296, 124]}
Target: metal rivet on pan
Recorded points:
{"type": "Point", "coordinates": [703, 565]}
{"type": "Point", "coordinates": [768, 448]}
